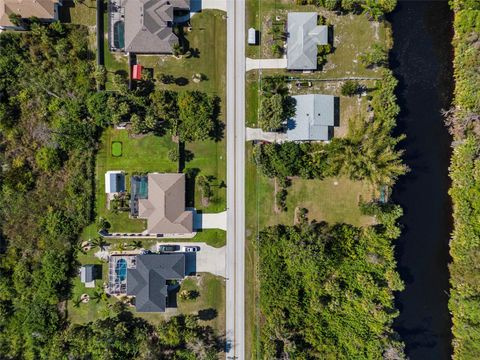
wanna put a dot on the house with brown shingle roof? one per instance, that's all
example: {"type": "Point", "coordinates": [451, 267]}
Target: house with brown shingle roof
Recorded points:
{"type": "Point", "coordinates": [44, 10]}
{"type": "Point", "coordinates": [164, 205]}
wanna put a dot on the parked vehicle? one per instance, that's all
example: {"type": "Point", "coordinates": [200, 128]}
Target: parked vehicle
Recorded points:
{"type": "Point", "coordinates": [191, 248]}
{"type": "Point", "coordinates": [168, 248]}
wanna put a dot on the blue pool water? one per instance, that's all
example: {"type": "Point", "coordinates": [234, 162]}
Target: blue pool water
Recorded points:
{"type": "Point", "coordinates": [121, 269]}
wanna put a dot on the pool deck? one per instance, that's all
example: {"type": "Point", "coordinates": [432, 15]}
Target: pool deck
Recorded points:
{"type": "Point", "coordinates": [117, 285]}
{"type": "Point", "coordinates": [116, 12]}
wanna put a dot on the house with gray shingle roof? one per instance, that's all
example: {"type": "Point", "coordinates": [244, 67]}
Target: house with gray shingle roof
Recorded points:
{"type": "Point", "coordinates": [314, 118]}
{"type": "Point", "coordinates": [148, 25]}
{"type": "Point", "coordinates": [304, 36]}
{"type": "Point", "coordinates": [148, 280]}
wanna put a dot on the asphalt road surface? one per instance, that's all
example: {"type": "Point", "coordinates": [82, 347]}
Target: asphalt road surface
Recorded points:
{"type": "Point", "coordinates": [235, 257]}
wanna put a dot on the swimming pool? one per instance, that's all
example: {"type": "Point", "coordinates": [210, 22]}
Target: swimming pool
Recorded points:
{"type": "Point", "coordinates": [119, 35]}
{"type": "Point", "coordinates": [121, 269]}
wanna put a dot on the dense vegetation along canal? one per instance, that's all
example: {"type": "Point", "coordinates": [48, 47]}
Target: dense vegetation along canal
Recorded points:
{"type": "Point", "coordinates": [422, 61]}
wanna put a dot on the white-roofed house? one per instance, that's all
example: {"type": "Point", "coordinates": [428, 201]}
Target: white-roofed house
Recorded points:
{"type": "Point", "coordinates": [304, 36]}
{"type": "Point", "coordinates": [314, 119]}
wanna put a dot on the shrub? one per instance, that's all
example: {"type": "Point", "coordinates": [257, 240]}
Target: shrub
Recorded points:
{"type": "Point", "coordinates": [350, 88]}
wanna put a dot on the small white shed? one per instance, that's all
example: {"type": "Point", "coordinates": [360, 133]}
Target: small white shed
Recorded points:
{"type": "Point", "coordinates": [114, 181]}
{"type": "Point", "coordinates": [252, 36]}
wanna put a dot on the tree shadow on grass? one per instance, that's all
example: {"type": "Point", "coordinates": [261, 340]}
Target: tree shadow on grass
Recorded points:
{"type": "Point", "coordinates": [191, 175]}
{"type": "Point", "coordinates": [219, 128]}
{"type": "Point", "coordinates": [207, 314]}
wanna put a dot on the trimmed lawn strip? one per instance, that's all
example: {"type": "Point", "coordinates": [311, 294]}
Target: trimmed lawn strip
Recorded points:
{"type": "Point", "coordinates": [252, 99]}
{"type": "Point", "coordinates": [213, 237]}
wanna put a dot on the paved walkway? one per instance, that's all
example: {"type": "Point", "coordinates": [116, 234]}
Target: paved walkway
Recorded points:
{"type": "Point", "coordinates": [255, 64]}
{"type": "Point", "coordinates": [253, 134]}
{"type": "Point", "coordinates": [210, 221]}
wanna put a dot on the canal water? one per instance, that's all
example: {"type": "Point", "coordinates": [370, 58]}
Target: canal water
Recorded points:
{"type": "Point", "coordinates": [422, 61]}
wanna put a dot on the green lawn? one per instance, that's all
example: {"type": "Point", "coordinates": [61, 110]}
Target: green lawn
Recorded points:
{"type": "Point", "coordinates": [208, 35]}
{"type": "Point", "coordinates": [93, 309]}
{"type": "Point", "coordinates": [209, 158]}
{"type": "Point", "coordinates": [252, 99]}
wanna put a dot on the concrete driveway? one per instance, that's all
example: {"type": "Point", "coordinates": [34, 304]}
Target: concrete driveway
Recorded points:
{"type": "Point", "coordinates": [253, 64]}
{"type": "Point", "coordinates": [210, 221]}
{"type": "Point", "coordinates": [199, 5]}
{"type": "Point", "coordinates": [207, 259]}
{"type": "Point", "coordinates": [257, 134]}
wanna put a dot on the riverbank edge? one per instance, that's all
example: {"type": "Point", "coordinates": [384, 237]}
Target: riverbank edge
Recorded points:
{"type": "Point", "coordinates": [462, 120]}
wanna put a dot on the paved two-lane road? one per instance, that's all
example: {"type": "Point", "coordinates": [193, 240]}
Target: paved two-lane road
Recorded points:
{"type": "Point", "coordinates": [235, 267]}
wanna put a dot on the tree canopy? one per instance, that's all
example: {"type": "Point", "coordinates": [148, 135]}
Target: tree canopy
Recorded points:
{"type": "Point", "coordinates": [327, 291]}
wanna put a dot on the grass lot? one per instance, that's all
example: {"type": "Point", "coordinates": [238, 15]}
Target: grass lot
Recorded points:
{"type": "Point", "coordinates": [149, 154]}
{"type": "Point", "coordinates": [93, 309]}
{"type": "Point", "coordinates": [210, 160]}
{"type": "Point", "coordinates": [208, 35]}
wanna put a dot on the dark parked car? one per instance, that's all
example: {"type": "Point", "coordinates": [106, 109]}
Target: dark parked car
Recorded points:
{"type": "Point", "coordinates": [168, 248]}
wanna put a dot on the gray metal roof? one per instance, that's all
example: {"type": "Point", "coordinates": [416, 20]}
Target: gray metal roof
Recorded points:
{"type": "Point", "coordinates": [304, 35]}
{"type": "Point", "coordinates": [148, 281]}
{"type": "Point", "coordinates": [148, 25]}
{"type": "Point", "coordinates": [117, 182]}
{"type": "Point", "coordinates": [314, 117]}
{"type": "Point", "coordinates": [86, 273]}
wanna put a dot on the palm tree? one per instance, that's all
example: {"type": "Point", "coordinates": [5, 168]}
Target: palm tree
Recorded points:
{"type": "Point", "coordinates": [99, 242]}
{"type": "Point", "coordinates": [136, 244]}
{"type": "Point", "coordinates": [77, 301]}
{"type": "Point", "coordinates": [98, 294]}
{"type": "Point", "coordinates": [369, 154]}
{"type": "Point", "coordinates": [79, 247]}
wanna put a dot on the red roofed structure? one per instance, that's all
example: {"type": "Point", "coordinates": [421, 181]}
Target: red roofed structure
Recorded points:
{"type": "Point", "coordinates": [137, 72]}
